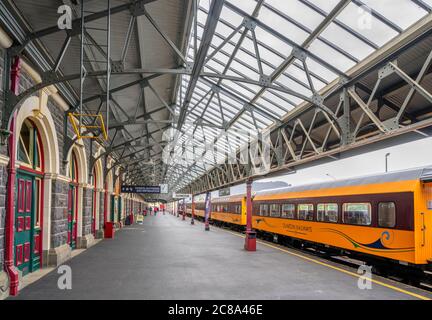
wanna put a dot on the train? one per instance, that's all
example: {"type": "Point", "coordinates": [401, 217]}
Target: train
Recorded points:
{"type": "Point", "coordinates": [386, 216]}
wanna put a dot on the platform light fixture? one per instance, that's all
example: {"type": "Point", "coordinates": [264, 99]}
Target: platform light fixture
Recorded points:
{"type": "Point", "coordinates": [386, 161]}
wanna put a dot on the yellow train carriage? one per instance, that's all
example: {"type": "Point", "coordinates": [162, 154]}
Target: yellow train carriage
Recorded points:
{"type": "Point", "coordinates": [387, 215]}
{"type": "Point", "coordinates": [229, 209]}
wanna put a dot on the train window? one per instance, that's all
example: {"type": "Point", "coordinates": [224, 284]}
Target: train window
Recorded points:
{"type": "Point", "coordinates": [327, 212]}
{"type": "Point", "coordinates": [238, 208]}
{"type": "Point", "coordinates": [357, 213]}
{"type": "Point", "coordinates": [274, 210]}
{"type": "Point", "coordinates": [387, 214]}
{"type": "Point", "coordinates": [264, 211]}
{"type": "Point", "coordinates": [305, 211]}
{"type": "Point", "coordinates": [288, 211]}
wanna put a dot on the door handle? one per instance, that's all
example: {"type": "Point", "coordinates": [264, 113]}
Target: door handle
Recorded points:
{"type": "Point", "coordinates": [423, 229]}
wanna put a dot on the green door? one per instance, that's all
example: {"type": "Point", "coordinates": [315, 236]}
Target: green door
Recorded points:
{"type": "Point", "coordinates": [72, 227]}
{"type": "Point", "coordinates": [27, 223]}
{"type": "Point", "coordinates": [112, 208]}
{"type": "Point", "coordinates": [119, 212]}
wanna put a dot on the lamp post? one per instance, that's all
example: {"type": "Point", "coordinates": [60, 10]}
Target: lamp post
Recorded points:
{"type": "Point", "coordinates": [386, 161]}
{"type": "Point", "coordinates": [193, 210]}
{"type": "Point", "coordinates": [250, 239]}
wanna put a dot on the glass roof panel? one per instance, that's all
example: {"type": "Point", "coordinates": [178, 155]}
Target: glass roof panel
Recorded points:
{"type": "Point", "coordinates": [277, 22]}
{"type": "Point", "coordinates": [297, 11]}
{"type": "Point", "coordinates": [379, 33]}
{"type": "Point", "coordinates": [360, 28]}
{"type": "Point", "coordinates": [401, 12]}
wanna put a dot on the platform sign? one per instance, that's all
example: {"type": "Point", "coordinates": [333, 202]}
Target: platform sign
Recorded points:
{"type": "Point", "coordinates": [224, 192]}
{"type": "Point", "coordinates": [164, 188]}
{"type": "Point", "coordinates": [181, 195]}
{"type": "Point", "coordinates": [141, 189]}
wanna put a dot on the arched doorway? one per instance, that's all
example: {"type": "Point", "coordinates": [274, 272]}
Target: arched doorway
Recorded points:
{"type": "Point", "coordinates": [29, 204]}
{"type": "Point", "coordinates": [94, 202]}
{"type": "Point", "coordinates": [72, 208]}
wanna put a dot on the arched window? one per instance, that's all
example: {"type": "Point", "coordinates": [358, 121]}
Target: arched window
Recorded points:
{"type": "Point", "coordinates": [73, 168]}
{"type": "Point", "coordinates": [29, 147]}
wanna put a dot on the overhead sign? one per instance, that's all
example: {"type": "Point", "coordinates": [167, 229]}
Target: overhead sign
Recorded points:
{"type": "Point", "coordinates": [163, 188]}
{"type": "Point", "coordinates": [141, 189]}
{"type": "Point", "coordinates": [181, 195]}
{"type": "Point", "coordinates": [224, 192]}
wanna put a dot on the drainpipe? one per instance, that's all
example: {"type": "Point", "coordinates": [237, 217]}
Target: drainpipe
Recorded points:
{"type": "Point", "coordinates": [10, 214]}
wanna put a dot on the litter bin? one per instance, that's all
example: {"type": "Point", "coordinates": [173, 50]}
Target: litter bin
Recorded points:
{"type": "Point", "coordinates": [109, 230]}
{"type": "Point", "coordinates": [250, 241]}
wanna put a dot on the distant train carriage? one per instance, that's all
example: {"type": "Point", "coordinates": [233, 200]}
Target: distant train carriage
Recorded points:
{"type": "Point", "coordinates": [229, 209]}
{"type": "Point", "coordinates": [387, 215]}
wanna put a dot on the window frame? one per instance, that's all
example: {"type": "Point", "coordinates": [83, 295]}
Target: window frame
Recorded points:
{"type": "Point", "coordinates": [270, 210]}
{"type": "Point", "coordinates": [357, 203]}
{"type": "Point", "coordinates": [260, 210]}
{"type": "Point", "coordinates": [394, 214]}
{"type": "Point", "coordinates": [306, 204]}
{"type": "Point", "coordinates": [325, 212]}
{"type": "Point", "coordinates": [294, 211]}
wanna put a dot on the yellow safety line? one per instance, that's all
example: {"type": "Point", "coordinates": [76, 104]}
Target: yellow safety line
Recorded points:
{"type": "Point", "coordinates": [336, 268]}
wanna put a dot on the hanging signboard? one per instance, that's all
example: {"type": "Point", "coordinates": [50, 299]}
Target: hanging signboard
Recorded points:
{"type": "Point", "coordinates": [224, 192]}
{"type": "Point", "coordinates": [181, 195]}
{"type": "Point", "coordinates": [141, 189]}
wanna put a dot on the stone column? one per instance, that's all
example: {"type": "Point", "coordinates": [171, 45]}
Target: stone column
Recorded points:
{"type": "Point", "coordinates": [59, 250]}
{"type": "Point", "coordinates": [4, 280]}
{"type": "Point", "coordinates": [86, 239]}
{"type": "Point", "coordinates": [100, 214]}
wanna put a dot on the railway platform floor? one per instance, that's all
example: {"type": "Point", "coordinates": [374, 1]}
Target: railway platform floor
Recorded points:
{"type": "Point", "coordinates": [167, 258]}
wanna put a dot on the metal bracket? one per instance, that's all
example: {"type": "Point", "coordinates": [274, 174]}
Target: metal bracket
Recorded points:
{"type": "Point", "coordinates": [249, 24]}
{"type": "Point", "coordinates": [117, 66]}
{"type": "Point", "coordinates": [391, 124]}
{"type": "Point", "coordinates": [248, 107]}
{"type": "Point", "coordinates": [189, 66]}
{"type": "Point", "coordinates": [317, 99]}
{"type": "Point", "coordinates": [215, 88]}
{"type": "Point", "coordinates": [299, 54]}
{"type": "Point", "coordinates": [385, 71]}
{"type": "Point", "coordinates": [265, 81]}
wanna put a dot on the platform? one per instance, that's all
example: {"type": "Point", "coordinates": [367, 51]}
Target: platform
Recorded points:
{"type": "Point", "coordinates": [167, 258]}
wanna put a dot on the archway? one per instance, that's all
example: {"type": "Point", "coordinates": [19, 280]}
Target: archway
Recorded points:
{"type": "Point", "coordinates": [37, 158]}
{"type": "Point", "coordinates": [97, 184]}
{"type": "Point", "coordinates": [77, 173]}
